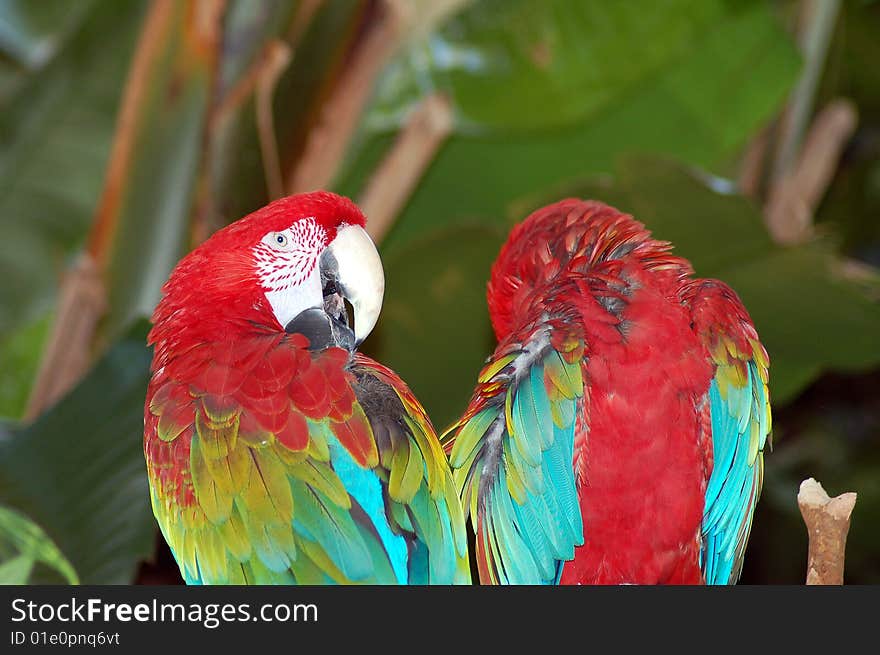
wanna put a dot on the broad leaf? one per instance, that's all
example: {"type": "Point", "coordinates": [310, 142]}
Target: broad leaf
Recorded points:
{"type": "Point", "coordinates": [56, 125]}
{"type": "Point", "coordinates": [23, 544]}
{"type": "Point", "coordinates": [525, 64]}
{"type": "Point", "coordinates": [79, 471]}
{"type": "Point", "coordinates": [699, 106]}
{"type": "Point", "coordinates": [56, 129]}
{"type": "Point", "coordinates": [144, 219]}
{"type": "Point", "coordinates": [32, 33]}
{"type": "Point", "coordinates": [19, 358]}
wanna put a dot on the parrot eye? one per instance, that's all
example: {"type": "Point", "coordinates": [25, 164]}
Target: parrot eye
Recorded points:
{"type": "Point", "coordinates": [278, 241]}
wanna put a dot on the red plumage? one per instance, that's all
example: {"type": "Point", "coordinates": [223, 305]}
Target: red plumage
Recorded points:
{"type": "Point", "coordinates": [218, 346]}
{"type": "Point", "coordinates": [619, 303]}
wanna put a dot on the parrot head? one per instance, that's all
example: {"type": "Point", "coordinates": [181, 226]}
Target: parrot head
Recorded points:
{"type": "Point", "coordinates": [290, 265]}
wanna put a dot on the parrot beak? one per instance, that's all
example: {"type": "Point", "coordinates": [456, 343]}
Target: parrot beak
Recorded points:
{"type": "Point", "coordinates": [352, 270]}
{"type": "Point", "coordinates": [322, 329]}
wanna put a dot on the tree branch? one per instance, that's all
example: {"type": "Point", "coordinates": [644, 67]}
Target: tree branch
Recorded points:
{"type": "Point", "coordinates": [396, 177]}
{"type": "Point", "coordinates": [827, 522]}
{"type": "Point", "coordinates": [818, 18]}
{"type": "Point", "coordinates": [795, 196]}
{"type": "Point", "coordinates": [67, 355]}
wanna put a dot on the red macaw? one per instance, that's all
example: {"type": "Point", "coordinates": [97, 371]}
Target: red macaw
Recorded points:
{"type": "Point", "coordinates": [616, 434]}
{"type": "Point", "coordinates": [276, 453]}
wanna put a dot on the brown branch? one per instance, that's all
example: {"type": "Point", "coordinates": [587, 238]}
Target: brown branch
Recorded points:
{"type": "Point", "coordinates": [67, 354]}
{"type": "Point", "coordinates": [202, 35]}
{"type": "Point", "coordinates": [155, 32]}
{"type": "Point", "coordinates": [305, 12]}
{"type": "Point", "coordinates": [83, 295]}
{"type": "Point", "coordinates": [815, 29]}
{"type": "Point", "coordinates": [278, 58]}
{"type": "Point", "coordinates": [794, 197]}
{"type": "Point", "coordinates": [329, 138]}
{"type": "Point", "coordinates": [753, 164]}
{"type": "Point", "coordinates": [396, 22]}
{"type": "Point", "coordinates": [827, 522]}
{"type": "Point", "coordinates": [393, 181]}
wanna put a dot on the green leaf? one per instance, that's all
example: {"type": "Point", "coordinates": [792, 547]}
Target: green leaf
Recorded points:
{"type": "Point", "coordinates": [434, 330]}
{"type": "Point", "coordinates": [525, 64]}
{"type": "Point", "coordinates": [17, 570]}
{"type": "Point", "coordinates": [78, 471]}
{"type": "Point", "coordinates": [20, 353]}
{"type": "Point", "coordinates": [22, 544]}
{"type": "Point", "coordinates": [852, 202]}
{"type": "Point", "coordinates": [147, 219]}
{"type": "Point", "coordinates": [31, 34]}
{"type": "Point", "coordinates": [55, 133]}
{"type": "Point", "coordinates": [809, 316]}
{"type": "Point", "coordinates": [699, 106]}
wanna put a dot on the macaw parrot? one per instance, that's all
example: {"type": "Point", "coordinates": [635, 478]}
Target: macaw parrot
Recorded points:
{"type": "Point", "coordinates": [276, 453]}
{"type": "Point", "coordinates": [616, 434]}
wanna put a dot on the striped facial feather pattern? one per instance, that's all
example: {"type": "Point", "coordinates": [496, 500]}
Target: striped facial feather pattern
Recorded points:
{"type": "Point", "coordinates": [286, 259]}
{"type": "Point", "coordinates": [287, 267]}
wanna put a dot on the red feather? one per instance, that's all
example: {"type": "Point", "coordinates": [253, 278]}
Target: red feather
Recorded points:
{"type": "Point", "coordinates": [217, 340]}
{"type": "Point", "coordinates": [357, 438]}
{"type": "Point", "coordinates": [615, 300]}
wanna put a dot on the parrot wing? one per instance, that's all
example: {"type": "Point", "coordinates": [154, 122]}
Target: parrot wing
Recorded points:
{"type": "Point", "coordinates": [512, 460]}
{"type": "Point", "coordinates": [272, 465]}
{"type": "Point", "coordinates": [738, 405]}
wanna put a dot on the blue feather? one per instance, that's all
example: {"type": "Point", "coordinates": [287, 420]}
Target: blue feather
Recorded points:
{"type": "Point", "coordinates": [732, 489]}
{"type": "Point", "coordinates": [363, 485]}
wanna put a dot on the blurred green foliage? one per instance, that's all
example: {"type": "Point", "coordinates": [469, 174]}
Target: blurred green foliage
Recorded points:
{"type": "Point", "coordinates": [78, 470]}
{"type": "Point", "coordinates": [644, 106]}
{"type": "Point", "coordinates": [56, 129]}
{"type": "Point", "coordinates": [682, 106]}
{"type": "Point", "coordinates": [831, 431]}
{"type": "Point", "coordinates": [23, 546]}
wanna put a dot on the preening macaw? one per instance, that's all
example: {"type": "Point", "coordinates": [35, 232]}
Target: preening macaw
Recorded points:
{"type": "Point", "coordinates": [276, 453]}
{"type": "Point", "coordinates": [616, 434]}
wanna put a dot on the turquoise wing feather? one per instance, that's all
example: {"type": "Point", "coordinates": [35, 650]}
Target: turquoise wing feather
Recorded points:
{"type": "Point", "coordinates": [738, 403]}
{"type": "Point", "coordinates": [512, 461]}
{"type": "Point", "coordinates": [338, 481]}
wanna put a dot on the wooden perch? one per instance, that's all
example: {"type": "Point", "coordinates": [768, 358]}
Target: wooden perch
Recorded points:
{"type": "Point", "coordinates": [827, 522]}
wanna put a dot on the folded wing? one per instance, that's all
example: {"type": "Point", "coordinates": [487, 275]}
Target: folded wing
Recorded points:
{"type": "Point", "coordinates": [512, 461]}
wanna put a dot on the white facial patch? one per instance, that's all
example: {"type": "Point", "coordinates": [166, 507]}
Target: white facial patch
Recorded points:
{"type": "Point", "coordinates": [287, 266]}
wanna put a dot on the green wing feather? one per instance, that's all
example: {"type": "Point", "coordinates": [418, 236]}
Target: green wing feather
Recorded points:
{"type": "Point", "coordinates": [738, 404]}
{"type": "Point", "coordinates": [512, 460]}
{"type": "Point", "coordinates": [241, 506]}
